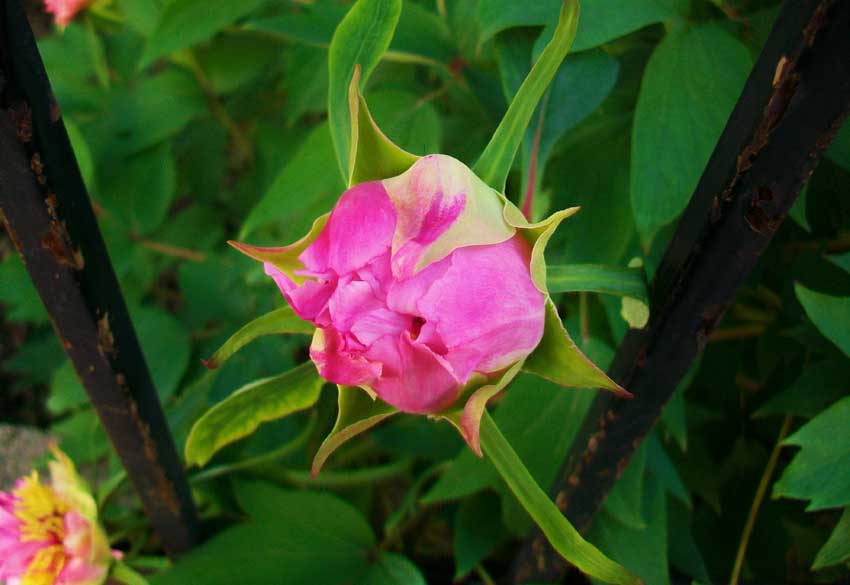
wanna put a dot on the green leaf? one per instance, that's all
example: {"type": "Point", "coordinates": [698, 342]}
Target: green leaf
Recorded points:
{"type": "Point", "coordinates": [558, 359]}
{"type": "Point", "coordinates": [393, 569]}
{"type": "Point", "coordinates": [625, 500]}
{"type": "Point", "coordinates": [358, 412]}
{"type": "Point", "coordinates": [839, 150]}
{"type": "Point", "coordinates": [662, 468]}
{"type": "Point", "coordinates": [413, 124]}
{"type": "Point", "coordinates": [815, 472]}
{"type": "Point", "coordinates": [841, 260]}
{"type": "Point", "coordinates": [81, 152]}
{"type": "Point", "coordinates": [495, 162]}
{"type": "Point", "coordinates": [292, 537]}
{"type": "Point", "coordinates": [831, 315]}
{"type": "Point", "coordinates": [142, 192]}
{"type": "Point", "coordinates": [818, 386]}
{"type": "Point", "coordinates": [185, 23]}
{"type": "Point", "coordinates": [241, 413]}
{"type": "Point", "coordinates": [277, 322]}
{"type": "Point", "coordinates": [642, 549]}
{"type": "Point", "coordinates": [360, 39]}
{"type": "Point", "coordinates": [601, 20]}
{"type": "Point", "coordinates": [478, 531]}
{"type": "Point", "coordinates": [531, 414]}
{"type": "Point", "coordinates": [690, 86]}
{"type": "Point", "coordinates": [19, 295]}
{"type": "Point", "coordinates": [305, 174]}
{"type": "Point", "coordinates": [837, 548]}
{"type": "Point", "coordinates": [561, 534]}
{"type": "Point", "coordinates": [611, 280]}
{"type": "Point", "coordinates": [234, 60]}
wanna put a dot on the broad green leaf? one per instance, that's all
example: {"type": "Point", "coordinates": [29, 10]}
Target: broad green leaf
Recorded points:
{"type": "Point", "coordinates": [185, 23]}
{"type": "Point", "coordinates": [373, 155]}
{"type": "Point", "coordinates": [245, 410]}
{"type": "Point", "coordinates": [837, 548]}
{"type": "Point", "coordinates": [393, 569]}
{"type": "Point", "coordinates": [563, 537]}
{"type": "Point", "coordinates": [305, 91]}
{"type": "Point", "coordinates": [531, 414]}
{"type": "Point", "coordinates": [818, 386]}
{"type": "Point", "coordinates": [421, 37]}
{"type": "Point", "coordinates": [662, 468]}
{"type": "Point", "coordinates": [841, 260]}
{"type": "Point", "coordinates": [81, 152]}
{"type": "Point", "coordinates": [234, 60]}
{"type": "Point", "coordinates": [601, 20]}
{"type": "Point", "coordinates": [142, 15]}
{"type": "Point", "coordinates": [358, 412]}
{"type": "Point", "coordinates": [18, 294]}
{"type": "Point", "coordinates": [292, 537]}
{"type": "Point", "coordinates": [478, 531]}
{"type": "Point", "coordinates": [495, 162]}
{"type": "Point", "coordinates": [413, 124]}
{"type": "Point", "coordinates": [831, 315]}
{"type": "Point", "coordinates": [360, 40]}
{"type": "Point", "coordinates": [279, 321]}
{"type": "Point", "coordinates": [643, 550]}
{"type": "Point", "coordinates": [558, 359]}
{"type": "Point", "coordinates": [690, 86]}
{"type": "Point", "coordinates": [302, 190]}
{"type": "Point", "coordinates": [625, 500]}
{"type": "Point", "coordinates": [140, 192]}
{"type": "Point", "coordinates": [611, 280]}
{"type": "Point", "coordinates": [816, 472]}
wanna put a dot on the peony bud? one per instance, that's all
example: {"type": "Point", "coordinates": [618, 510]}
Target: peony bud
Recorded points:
{"type": "Point", "coordinates": [63, 11]}
{"type": "Point", "coordinates": [49, 534]}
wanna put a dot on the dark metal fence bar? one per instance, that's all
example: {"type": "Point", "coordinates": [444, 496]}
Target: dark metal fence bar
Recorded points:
{"type": "Point", "coordinates": [793, 103]}
{"type": "Point", "coordinates": [47, 214]}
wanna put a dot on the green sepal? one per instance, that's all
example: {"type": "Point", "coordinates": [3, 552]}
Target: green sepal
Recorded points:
{"type": "Point", "coordinates": [559, 360]}
{"type": "Point", "coordinates": [280, 321]}
{"type": "Point", "coordinates": [285, 258]}
{"type": "Point", "coordinates": [241, 413]}
{"type": "Point", "coordinates": [373, 156]}
{"type": "Point", "coordinates": [495, 162]}
{"type": "Point", "coordinates": [358, 412]}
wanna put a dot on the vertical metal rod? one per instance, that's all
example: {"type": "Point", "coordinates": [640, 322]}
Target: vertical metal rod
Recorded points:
{"type": "Point", "coordinates": [47, 214]}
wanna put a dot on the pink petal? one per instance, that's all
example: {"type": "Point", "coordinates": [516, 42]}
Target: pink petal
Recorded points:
{"type": "Point", "coordinates": [337, 363]}
{"type": "Point", "coordinates": [485, 307]}
{"type": "Point", "coordinates": [424, 382]}
{"type": "Point", "coordinates": [308, 300]}
{"type": "Point", "coordinates": [77, 571]}
{"type": "Point", "coordinates": [359, 229]}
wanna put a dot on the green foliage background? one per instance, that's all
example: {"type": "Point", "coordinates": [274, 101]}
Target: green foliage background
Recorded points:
{"type": "Point", "coordinates": [196, 121]}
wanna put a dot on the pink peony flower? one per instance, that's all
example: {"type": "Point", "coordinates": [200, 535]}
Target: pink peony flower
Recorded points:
{"type": "Point", "coordinates": [49, 534]}
{"type": "Point", "coordinates": [63, 11]}
{"type": "Point", "coordinates": [417, 285]}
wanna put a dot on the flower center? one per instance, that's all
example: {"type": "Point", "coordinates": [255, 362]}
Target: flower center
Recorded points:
{"type": "Point", "coordinates": [416, 327]}
{"type": "Point", "coordinates": [41, 513]}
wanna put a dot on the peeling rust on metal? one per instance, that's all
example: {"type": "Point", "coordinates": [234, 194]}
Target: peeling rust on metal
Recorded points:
{"type": "Point", "coordinates": [105, 339]}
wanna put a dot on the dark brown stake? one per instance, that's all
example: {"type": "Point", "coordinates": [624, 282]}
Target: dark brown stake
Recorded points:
{"type": "Point", "coordinates": [794, 101]}
{"type": "Point", "coordinates": [46, 212]}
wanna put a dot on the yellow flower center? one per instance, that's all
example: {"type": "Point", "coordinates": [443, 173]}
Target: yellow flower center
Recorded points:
{"type": "Point", "coordinates": [41, 513]}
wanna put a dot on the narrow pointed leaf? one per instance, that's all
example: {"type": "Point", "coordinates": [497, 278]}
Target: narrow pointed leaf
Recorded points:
{"type": "Point", "coordinates": [837, 548]}
{"type": "Point", "coordinates": [279, 321]}
{"type": "Point", "coordinates": [561, 534]}
{"type": "Point", "coordinates": [831, 315]}
{"type": "Point", "coordinates": [598, 278]}
{"type": "Point", "coordinates": [360, 39]}
{"type": "Point", "coordinates": [358, 412]}
{"type": "Point", "coordinates": [557, 358]}
{"type": "Point", "coordinates": [373, 155]}
{"type": "Point", "coordinates": [241, 413]}
{"type": "Point", "coordinates": [496, 160]}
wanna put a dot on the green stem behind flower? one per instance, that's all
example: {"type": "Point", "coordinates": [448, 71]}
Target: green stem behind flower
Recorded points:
{"type": "Point", "coordinates": [564, 538]}
{"type": "Point", "coordinates": [123, 573]}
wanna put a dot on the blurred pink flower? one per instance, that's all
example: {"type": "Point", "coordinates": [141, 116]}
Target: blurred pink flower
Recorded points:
{"type": "Point", "coordinates": [416, 284]}
{"type": "Point", "coordinates": [49, 533]}
{"type": "Point", "coordinates": [63, 11]}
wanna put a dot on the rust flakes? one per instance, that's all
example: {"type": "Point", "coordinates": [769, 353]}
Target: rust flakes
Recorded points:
{"type": "Point", "coordinates": [105, 339]}
{"type": "Point", "coordinates": [816, 23]}
{"type": "Point", "coordinates": [573, 481]}
{"type": "Point", "coordinates": [759, 215]}
{"type": "Point", "coordinates": [121, 380]}
{"type": "Point", "coordinates": [164, 492]}
{"type": "Point", "coordinates": [780, 68]}
{"type": "Point", "coordinates": [561, 500]}
{"type": "Point", "coordinates": [38, 168]}
{"type": "Point", "coordinates": [21, 115]}
{"type": "Point", "coordinates": [57, 242]}
{"type": "Point", "coordinates": [66, 343]}
{"type": "Point", "coordinates": [710, 316]}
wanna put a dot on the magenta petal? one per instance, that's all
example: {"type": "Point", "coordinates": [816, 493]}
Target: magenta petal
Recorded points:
{"type": "Point", "coordinates": [337, 364]}
{"type": "Point", "coordinates": [307, 300]}
{"type": "Point", "coordinates": [359, 229]}
{"type": "Point", "coordinates": [486, 308]}
{"type": "Point", "coordinates": [425, 383]}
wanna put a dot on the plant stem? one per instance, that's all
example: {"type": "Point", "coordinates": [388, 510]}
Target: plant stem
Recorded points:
{"type": "Point", "coordinates": [564, 538]}
{"type": "Point", "coordinates": [122, 573]}
{"type": "Point", "coordinates": [337, 479]}
{"type": "Point", "coordinates": [757, 500]}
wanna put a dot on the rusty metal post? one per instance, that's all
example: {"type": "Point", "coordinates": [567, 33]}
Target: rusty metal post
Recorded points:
{"type": "Point", "coordinates": [47, 214]}
{"type": "Point", "coordinates": [795, 100]}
